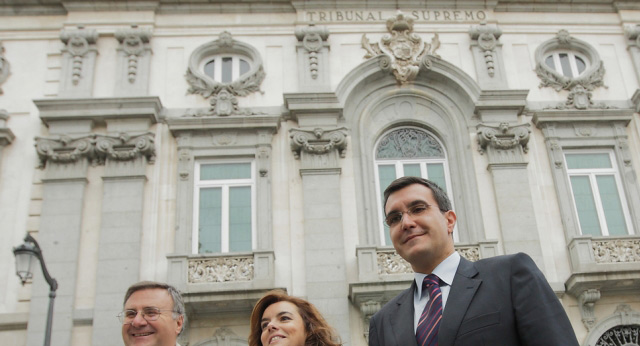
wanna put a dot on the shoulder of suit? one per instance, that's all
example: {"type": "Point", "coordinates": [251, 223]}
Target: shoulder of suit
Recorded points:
{"type": "Point", "coordinates": [503, 260]}
{"type": "Point", "coordinates": [395, 300]}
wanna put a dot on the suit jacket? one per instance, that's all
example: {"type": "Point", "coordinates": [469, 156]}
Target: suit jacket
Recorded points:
{"type": "Point", "coordinates": [498, 301]}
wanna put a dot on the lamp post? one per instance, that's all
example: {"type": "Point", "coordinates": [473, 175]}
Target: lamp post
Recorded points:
{"type": "Point", "coordinates": [26, 254]}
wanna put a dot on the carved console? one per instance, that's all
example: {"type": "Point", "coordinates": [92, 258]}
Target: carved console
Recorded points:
{"type": "Point", "coordinates": [487, 54]}
{"type": "Point", "coordinates": [313, 57]}
{"type": "Point", "coordinates": [134, 56]}
{"type": "Point", "coordinates": [505, 144]}
{"type": "Point", "coordinates": [78, 62]}
{"type": "Point", "coordinates": [6, 135]}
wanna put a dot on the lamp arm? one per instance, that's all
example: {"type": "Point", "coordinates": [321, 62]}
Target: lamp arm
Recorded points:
{"type": "Point", "coordinates": [53, 284]}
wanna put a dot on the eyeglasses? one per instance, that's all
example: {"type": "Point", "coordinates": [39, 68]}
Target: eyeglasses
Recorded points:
{"type": "Point", "coordinates": [149, 314]}
{"type": "Point", "coordinates": [394, 218]}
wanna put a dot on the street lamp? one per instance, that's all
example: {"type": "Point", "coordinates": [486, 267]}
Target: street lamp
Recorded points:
{"type": "Point", "coordinates": [26, 254]}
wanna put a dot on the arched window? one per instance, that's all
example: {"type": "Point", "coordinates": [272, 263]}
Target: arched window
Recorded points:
{"type": "Point", "coordinates": [621, 336]}
{"type": "Point", "coordinates": [226, 68]}
{"type": "Point", "coordinates": [567, 63]}
{"type": "Point", "coordinates": [408, 151]}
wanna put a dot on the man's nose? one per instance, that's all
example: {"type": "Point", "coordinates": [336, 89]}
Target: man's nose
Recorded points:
{"type": "Point", "coordinates": [407, 221]}
{"type": "Point", "coordinates": [138, 320]}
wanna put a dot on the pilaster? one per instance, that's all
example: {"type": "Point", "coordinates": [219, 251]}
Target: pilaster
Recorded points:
{"type": "Point", "coordinates": [633, 46]}
{"type": "Point", "coordinates": [506, 146]}
{"type": "Point", "coordinates": [134, 57]}
{"type": "Point", "coordinates": [78, 62]}
{"type": "Point", "coordinates": [313, 58]}
{"type": "Point", "coordinates": [487, 55]}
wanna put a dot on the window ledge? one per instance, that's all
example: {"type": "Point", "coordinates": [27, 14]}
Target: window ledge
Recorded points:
{"type": "Point", "coordinates": [604, 263]}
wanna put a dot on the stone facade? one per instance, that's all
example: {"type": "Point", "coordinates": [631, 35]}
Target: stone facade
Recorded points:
{"type": "Point", "coordinates": [231, 148]}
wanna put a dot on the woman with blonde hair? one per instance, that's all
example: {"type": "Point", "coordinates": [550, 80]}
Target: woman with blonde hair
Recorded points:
{"type": "Point", "coordinates": [283, 320]}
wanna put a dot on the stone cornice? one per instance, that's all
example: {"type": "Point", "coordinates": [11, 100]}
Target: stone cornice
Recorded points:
{"type": "Point", "coordinates": [592, 115]}
{"type": "Point", "coordinates": [251, 122]}
{"type": "Point", "coordinates": [99, 109]}
{"type": "Point", "coordinates": [512, 99]}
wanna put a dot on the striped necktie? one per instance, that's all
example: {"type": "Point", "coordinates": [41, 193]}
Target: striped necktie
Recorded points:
{"type": "Point", "coordinates": [427, 331]}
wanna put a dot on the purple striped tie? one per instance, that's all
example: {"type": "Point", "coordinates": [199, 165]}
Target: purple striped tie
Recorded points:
{"type": "Point", "coordinates": [427, 331]}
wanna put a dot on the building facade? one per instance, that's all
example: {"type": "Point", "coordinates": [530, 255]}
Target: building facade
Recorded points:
{"type": "Point", "coordinates": [231, 148]}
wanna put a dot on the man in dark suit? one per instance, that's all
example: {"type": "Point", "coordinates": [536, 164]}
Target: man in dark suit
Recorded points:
{"type": "Point", "coordinates": [499, 301]}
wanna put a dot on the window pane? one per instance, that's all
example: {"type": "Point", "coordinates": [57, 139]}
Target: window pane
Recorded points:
{"type": "Point", "coordinates": [227, 65]}
{"type": "Point", "coordinates": [550, 63]}
{"type": "Point", "coordinates": [595, 160]}
{"type": "Point", "coordinates": [580, 65]}
{"type": "Point", "coordinates": [210, 220]}
{"type": "Point", "coordinates": [611, 205]}
{"type": "Point", "coordinates": [209, 69]}
{"type": "Point", "coordinates": [240, 218]}
{"type": "Point", "coordinates": [586, 206]}
{"type": "Point", "coordinates": [225, 171]}
{"type": "Point", "coordinates": [387, 174]}
{"type": "Point", "coordinates": [244, 66]}
{"type": "Point", "coordinates": [411, 170]}
{"type": "Point", "coordinates": [566, 66]}
{"type": "Point", "coordinates": [435, 172]}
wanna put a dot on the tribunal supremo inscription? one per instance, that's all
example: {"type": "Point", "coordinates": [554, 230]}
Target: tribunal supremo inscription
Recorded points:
{"type": "Point", "coordinates": [376, 16]}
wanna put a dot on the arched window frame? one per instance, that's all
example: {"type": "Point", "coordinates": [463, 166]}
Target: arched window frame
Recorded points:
{"type": "Point", "coordinates": [399, 164]}
{"type": "Point", "coordinates": [235, 69]}
{"type": "Point", "coordinates": [571, 57]}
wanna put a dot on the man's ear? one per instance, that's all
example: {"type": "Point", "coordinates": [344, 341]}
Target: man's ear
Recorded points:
{"type": "Point", "coordinates": [179, 324]}
{"type": "Point", "coordinates": [451, 217]}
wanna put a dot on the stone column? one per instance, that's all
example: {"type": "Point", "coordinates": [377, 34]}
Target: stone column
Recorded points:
{"type": "Point", "coordinates": [119, 253]}
{"type": "Point", "coordinates": [313, 58]}
{"type": "Point", "coordinates": [65, 158]}
{"type": "Point", "coordinates": [487, 55]}
{"type": "Point", "coordinates": [505, 146]}
{"type": "Point", "coordinates": [134, 57]}
{"type": "Point", "coordinates": [319, 151]}
{"type": "Point", "coordinates": [78, 62]}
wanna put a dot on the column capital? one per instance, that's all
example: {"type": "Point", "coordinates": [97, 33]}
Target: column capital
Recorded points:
{"type": "Point", "coordinates": [318, 149]}
{"type": "Point", "coordinates": [504, 143]}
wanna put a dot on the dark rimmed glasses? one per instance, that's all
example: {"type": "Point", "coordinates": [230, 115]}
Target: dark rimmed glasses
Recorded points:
{"type": "Point", "coordinates": [149, 314]}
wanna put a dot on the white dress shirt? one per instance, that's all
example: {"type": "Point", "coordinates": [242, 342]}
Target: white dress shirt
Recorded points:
{"type": "Point", "coordinates": [446, 271]}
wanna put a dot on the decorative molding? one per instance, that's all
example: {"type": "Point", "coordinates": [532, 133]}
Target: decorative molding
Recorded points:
{"type": "Point", "coordinates": [6, 135]}
{"type": "Point", "coordinates": [409, 143]}
{"type": "Point", "coordinates": [622, 328]}
{"type": "Point", "coordinates": [78, 43]}
{"type": "Point", "coordinates": [97, 148]}
{"type": "Point", "coordinates": [503, 136]}
{"type": "Point", "coordinates": [134, 42]}
{"type": "Point", "coordinates": [5, 67]}
{"type": "Point", "coordinates": [390, 263]}
{"type": "Point", "coordinates": [486, 37]}
{"type": "Point", "coordinates": [586, 303]}
{"type": "Point", "coordinates": [220, 269]}
{"type": "Point", "coordinates": [403, 52]}
{"type": "Point", "coordinates": [579, 87]}
{"type": "Point", "coordinates": [313, 38]}
{"type": "Point", "coordinates": [616, 250]}
{"type": "Point", "coordinates": [208, 88]}
{"type": "Point", "coordinates": [633, 34]}
{"type": "Point", "coordinates": [318, 141]}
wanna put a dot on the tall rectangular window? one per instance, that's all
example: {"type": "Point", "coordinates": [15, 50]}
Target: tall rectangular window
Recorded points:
{"type": "Point", "coordinates": [597, 193]}
{"type": "Point", "coordinates": [225, 213]}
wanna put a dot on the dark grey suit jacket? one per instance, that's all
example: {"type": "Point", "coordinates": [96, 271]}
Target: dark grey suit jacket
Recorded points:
{"type": "Point", "coordinates": [498, 301]}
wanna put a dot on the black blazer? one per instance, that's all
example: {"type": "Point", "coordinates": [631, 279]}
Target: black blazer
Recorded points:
{"type": "Point", "coordinates": [503, 300]}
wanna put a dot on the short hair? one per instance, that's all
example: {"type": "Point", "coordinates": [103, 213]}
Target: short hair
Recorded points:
{"type": "Point", "coordinates": [178, 303]}
{"type": "Point", "coordinates": [444, 204]}
{"type": "Point", "coordinates": [317, 330]}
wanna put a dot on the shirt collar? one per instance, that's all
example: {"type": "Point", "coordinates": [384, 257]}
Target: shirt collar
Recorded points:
{"type": "Point", "coordinates": [446, 271]}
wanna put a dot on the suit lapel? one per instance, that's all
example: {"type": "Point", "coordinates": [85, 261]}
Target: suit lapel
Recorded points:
{"type": "Point", "coordinates": [402, 324]}
{"type": "Point", "coordinates": [463, 288]}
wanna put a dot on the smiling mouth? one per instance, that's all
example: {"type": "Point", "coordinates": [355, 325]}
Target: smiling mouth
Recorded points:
{"type": "Point", "coordinates": [276, 338]}
{"type": "Point", "coordinates": [142, 334]}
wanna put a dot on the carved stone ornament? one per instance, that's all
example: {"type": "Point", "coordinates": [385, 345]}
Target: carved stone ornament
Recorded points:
{"type": "Point", "coordinates": [403, 52]}
{"type": "Point", "coordinates": [96, 148]}
{"type": "Point", "coordinates": [580, 98]}
{"type": "Point", "coordinates": [587, 302]}
{"type": "Point", "coordinates": [633, 34]}
{"type": "Point", "coordinates": [312, 38]}
{"type": "Point", "coordinates": [389, 262]}
{"type": "Point", "coordinates": [616, 251]}
{"type": "Point", "coordinates": [221, 269]}
{"type": "Point", "coordinates": [487, 37]}
{"type": "Point", "coordinates": [503, 136]}
{"type": "Point", "coordinates": [318, 141]}
{"type": "Point", "coordinates": [222, 337]}
{"type": "Point", "coordinates": [580, 86]}
{"type": "Point", "coordinates": [134, 42]}
{"type": "Point", "coordinates": [628, 335]}
{"type": "Point", "coordinates": [409, 143]}
{"type": "Point", "coordinates": [206, 86]}
{"type": "Point", "coordinates": [5, 67]}
{"type": "Point", "coordinates": [77, 44]}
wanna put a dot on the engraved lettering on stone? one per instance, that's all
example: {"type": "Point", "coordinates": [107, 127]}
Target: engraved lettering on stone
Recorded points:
{"type": "Point", "coordinates": [487, 37]}
{"type": "Point", "coordinates": [221, 269]}
{"type": "Point", "coordinates": [616, 250]}
{"type": "Point", "coordinates": [318, 141]}
{"type": "Point", "coordinates": [5, 67]}
{"type": "Point", "coordinates": [132, 42]}
{"type": "Point", "coordinates": [312, 38]}
{"type": "Point", "coordinates": [503, 136]}
{"type": "Point", "coordinates": [78, 44]}
{"type": "Point", "coordinates": [402, 52]}
{"type": "Point", "coordinates": [409, 143]}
